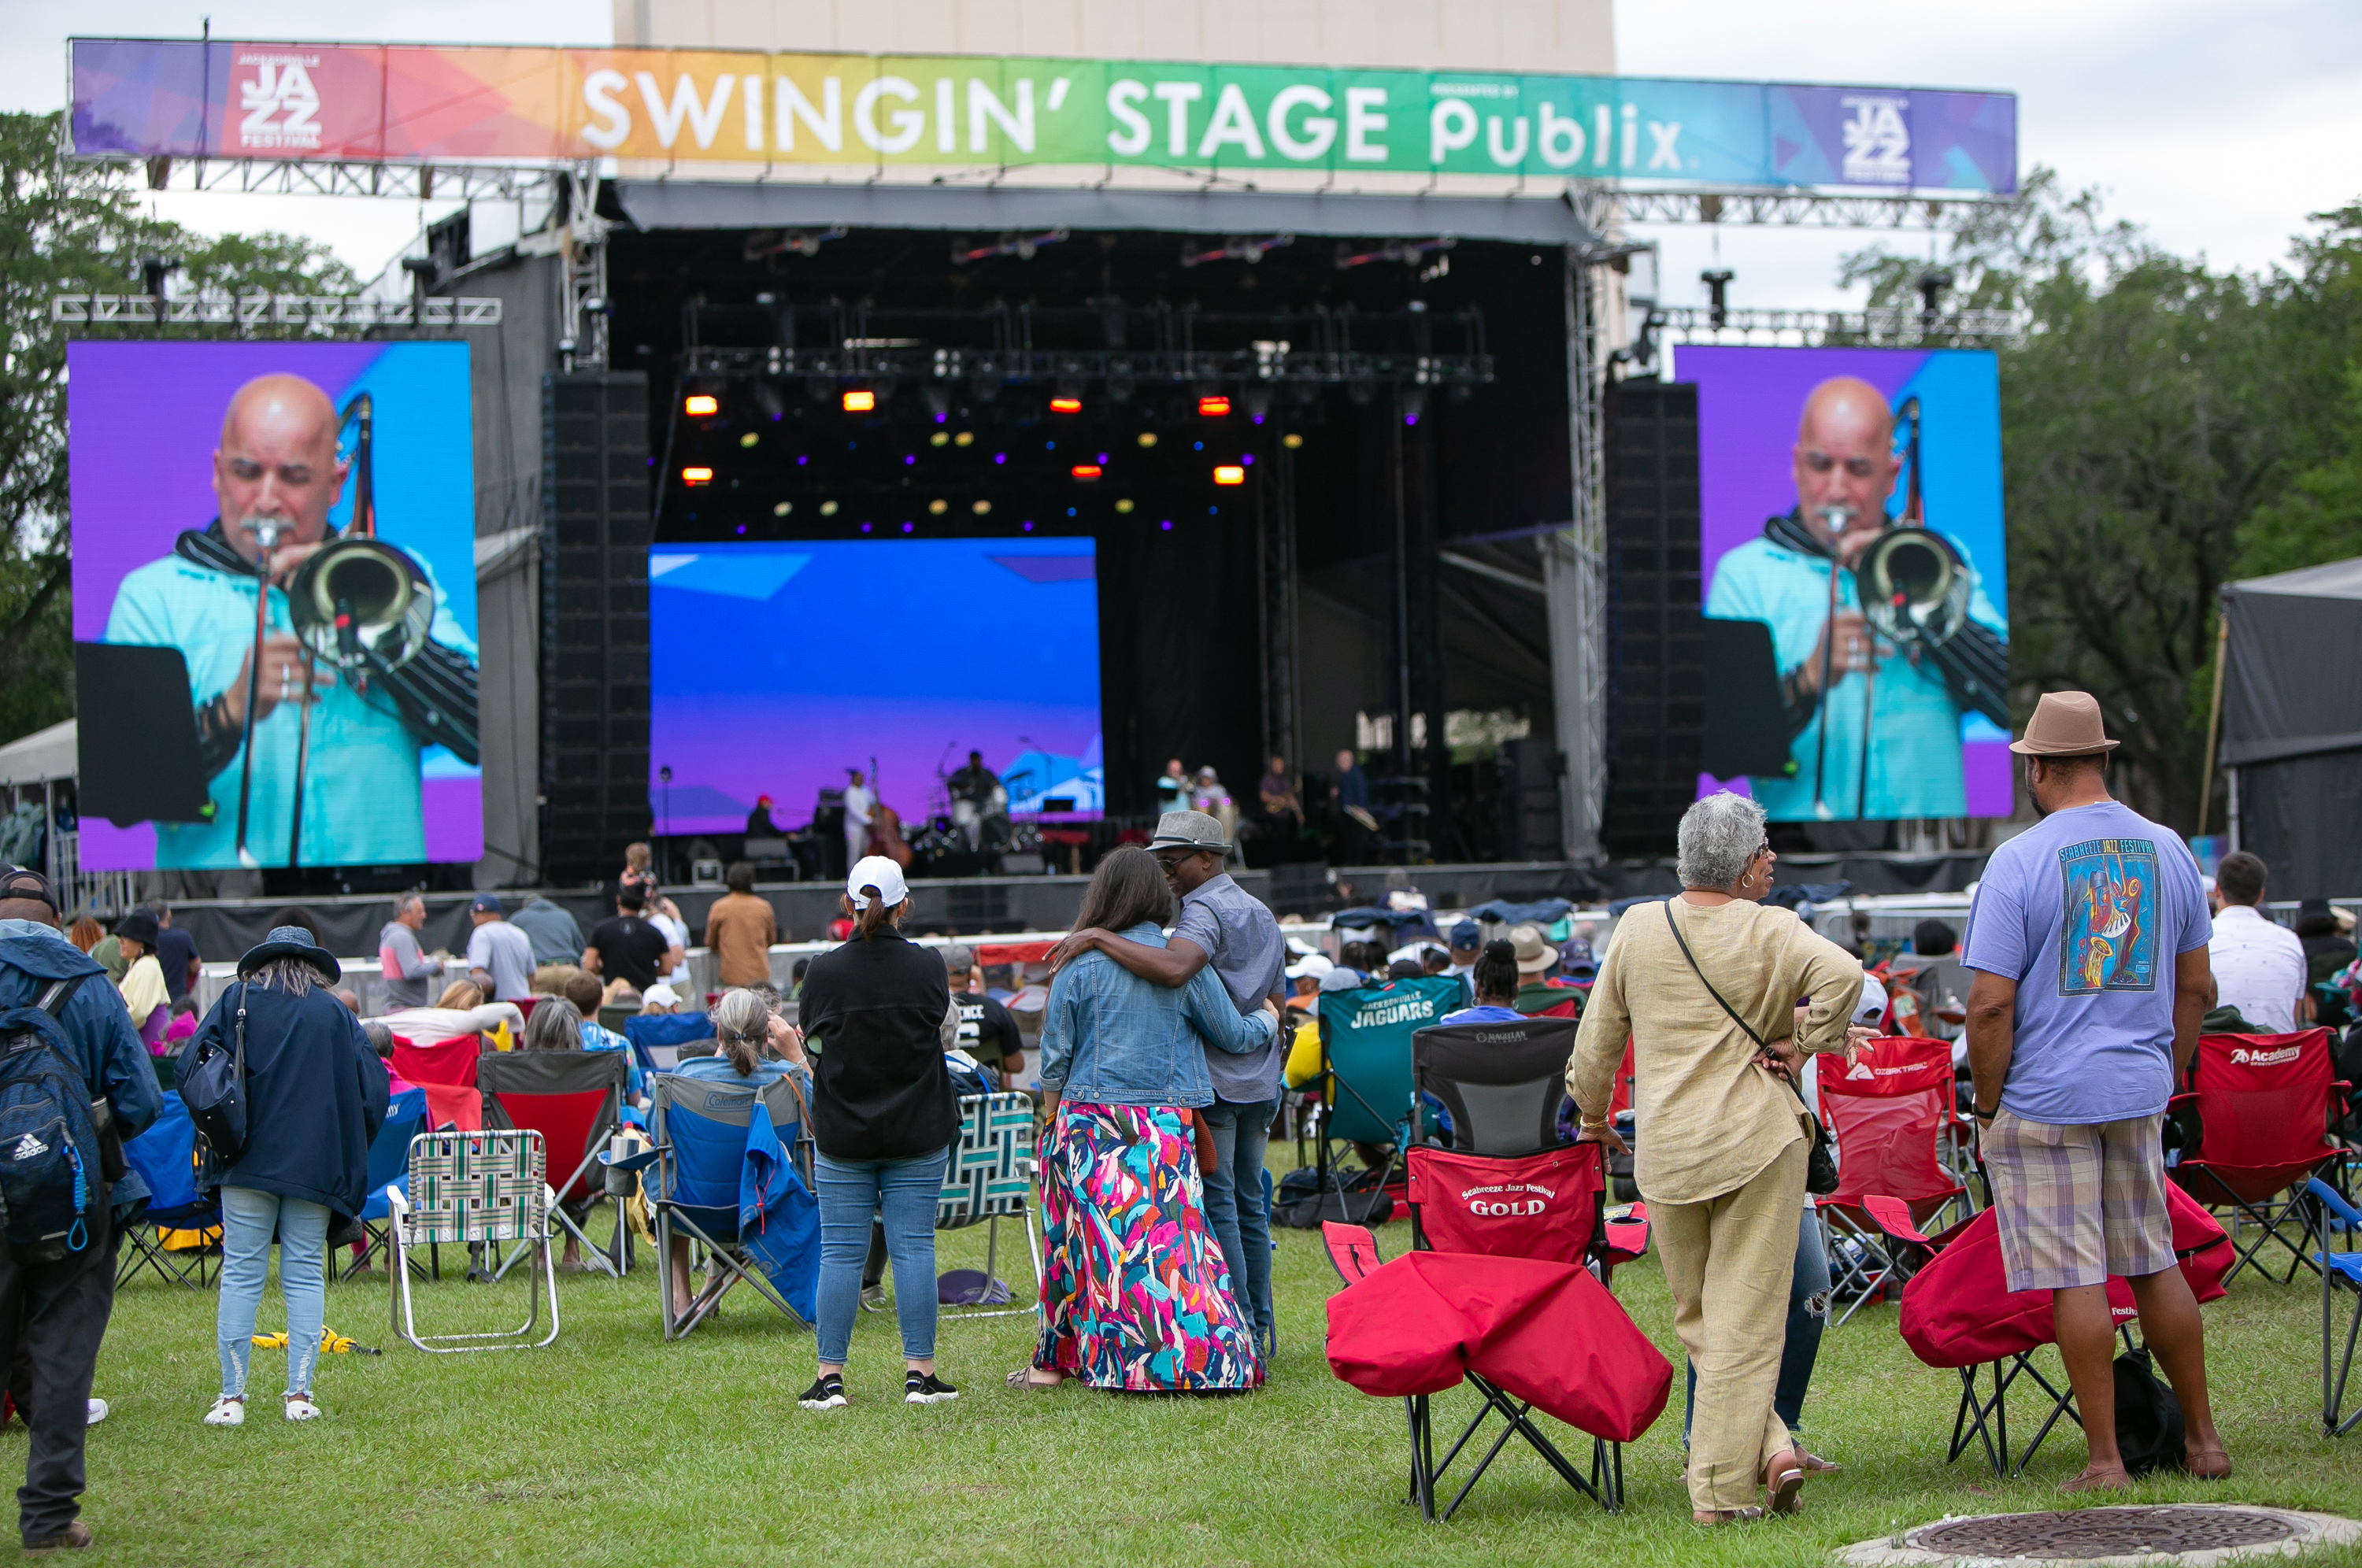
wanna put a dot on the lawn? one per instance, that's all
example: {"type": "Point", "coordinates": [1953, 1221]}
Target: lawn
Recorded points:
{"type": "Point", "coordinates": [614, 1448]}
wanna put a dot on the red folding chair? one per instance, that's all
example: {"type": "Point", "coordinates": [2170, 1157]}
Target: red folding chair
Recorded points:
{"type": "Point", "coordinates": [447, 1071]}
{"type": "Point", "coordinates": [1958, 1312]}
{"type": "Point", "coordinates": [1891, 1112]}
{"type": "Point", "coordinates": [574, 1100]}
{"type": "Point", "coordinates": [2254, 1129]}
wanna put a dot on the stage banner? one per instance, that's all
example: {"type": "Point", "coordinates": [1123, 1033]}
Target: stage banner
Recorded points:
{"type": "Point", "coordinates": [399, 103]}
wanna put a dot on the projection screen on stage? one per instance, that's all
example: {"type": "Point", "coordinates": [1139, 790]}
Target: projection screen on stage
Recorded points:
{"type": "Point", "coordinates": [1890, 699]}
{"type": "Point", "coordinates": [353, 739]}
{"type": "Point", "coordinates": [776, 669]}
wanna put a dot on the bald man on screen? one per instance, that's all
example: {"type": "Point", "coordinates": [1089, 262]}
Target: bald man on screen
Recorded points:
{"type": "Point", "coordinates": [277, 472]}
{"type": "Point", "coordinates": [1844, 467]}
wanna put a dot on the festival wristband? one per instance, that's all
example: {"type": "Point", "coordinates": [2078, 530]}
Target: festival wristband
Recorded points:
{"type": "Point", "coordinates": [1984, 1115]}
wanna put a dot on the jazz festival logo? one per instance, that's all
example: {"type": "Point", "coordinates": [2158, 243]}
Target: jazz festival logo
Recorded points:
{"type": "Point", "coordinates": [1877, 140]}
{"type": "Point", "coordinates": [282, 107]}
{"type": "Point", "coordinates": [2107, 939]}
{"type": "Point", "coordinates": [1497, 1202]}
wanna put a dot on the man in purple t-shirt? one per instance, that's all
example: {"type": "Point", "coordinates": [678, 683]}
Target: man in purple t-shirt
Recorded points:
{"type": "Point", "coordinates": [2087, 939]}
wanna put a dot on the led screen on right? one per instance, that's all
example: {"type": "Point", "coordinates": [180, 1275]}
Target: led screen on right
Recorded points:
{"type": "Point", "coordinates": [1850, 506]}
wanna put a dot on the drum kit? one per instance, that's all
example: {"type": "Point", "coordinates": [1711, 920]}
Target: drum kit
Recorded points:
{"type": "Point", "coordinates": [964, 826]}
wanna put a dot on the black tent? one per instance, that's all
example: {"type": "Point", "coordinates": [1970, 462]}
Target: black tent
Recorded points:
{"type": "Point", "coordinates": [2293, 726]}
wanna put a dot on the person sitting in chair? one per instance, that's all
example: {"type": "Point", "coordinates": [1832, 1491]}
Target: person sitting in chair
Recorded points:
{"type": "Point", "coordinates": [1494, 979]}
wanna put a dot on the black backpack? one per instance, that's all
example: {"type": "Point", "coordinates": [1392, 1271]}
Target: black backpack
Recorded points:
{"type": "Point", "coordinates": [1300, 1203]}
{"type": "Point", "coordinates": [2148, 1417]}
{"type": "Point", "coordinates": [53, 1168]}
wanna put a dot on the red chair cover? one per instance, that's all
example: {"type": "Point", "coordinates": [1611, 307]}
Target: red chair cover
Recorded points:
{"type": "Point", "coordinates": [565, 1123]}
{"type": "Point", "coordinates": [1351, 1250]}
{"type": "Point", "coordinates": [2263, 1100]}
{"type": "Point", "coordinates": [450, 1063]}
{"type": "Point", "coordinates": [1546, 1332]}
{"type": "Point", "coordinates": [1960, 1310]}
{"type": "Point", "coordinates": [1888, 1111]}
{"type": "Point", "coordinates": [460, 1108]}
{"type": "Point", "coordinates": [1539, 1206]}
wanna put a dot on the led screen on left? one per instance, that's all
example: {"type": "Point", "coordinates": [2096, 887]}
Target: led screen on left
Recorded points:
{"type": "Point", "coordinates": [183, 456]}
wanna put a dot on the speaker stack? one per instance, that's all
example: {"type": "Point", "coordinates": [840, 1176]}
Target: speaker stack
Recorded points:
{"type": "Point", "coordinates": [1656, 671]}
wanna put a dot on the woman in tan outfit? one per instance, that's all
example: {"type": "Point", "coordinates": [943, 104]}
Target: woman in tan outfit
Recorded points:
{"type": "Point", "coordinates": [1722, 1139]}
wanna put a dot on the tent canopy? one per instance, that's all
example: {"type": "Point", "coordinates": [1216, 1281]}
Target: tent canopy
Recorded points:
{"type": "Point", "coordinates": [2292, 724]}
{"type": "Point", "coordinates": [38, 757]}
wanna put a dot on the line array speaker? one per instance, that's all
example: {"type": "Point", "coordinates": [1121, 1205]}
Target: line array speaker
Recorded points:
{"type": "Point", "coordinates": [594, 640]}
{"type": "Point", "coordinates": [1656, 668]}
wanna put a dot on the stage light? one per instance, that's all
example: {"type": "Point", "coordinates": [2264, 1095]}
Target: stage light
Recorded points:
{"type": "Point", "coordinates": [1213, 407]}
{"type": "Point", "coordinates": [939, 506]}
{"type": "Point", "coordinates": [1066, 405]}
{"type": "Point", "coordinates": [748, 439]}
{"type": "Point", "coordinates": [1230, 473]}
{"type": "Point", "coordinates": [1148, 437]}
{"type": "Point", "coordinates": [965, 437]}
{"type": "Point", "coordinates": [1291, 440]}
{"type": "Point", "coordinates": [939, 438]}
{"type": "Point", "coordinates": [828, 509]}
{"type": "Point", "coordinates": [698, 404]}
{"type": "Point", "coordinates": [860, 401]}
{"type": "Point", "coordinates": [1123, 505]}
{"type": "Point", "coordinates": [697, 476]}
{"type": "Point", "coordinates": [783, 508]}
{"type": "Point", "coordinates": [1087, 470]}
{"type": "Point", "coordinates": [908, 527]}
{"type": "Point", "coordinates": [981, 507]}
{"type": "Point", "coordinates": [1165, 527]}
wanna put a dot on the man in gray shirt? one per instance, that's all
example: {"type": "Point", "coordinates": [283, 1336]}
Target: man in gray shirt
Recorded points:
{"type": "Point", "coordinates": [1223, 925]}
{"type": "Point", "coordinates": [410, 974]}
{"type": "Point", "coordinates": [556, 936]}
{"type": "Point", "coordinates": [500, 957]}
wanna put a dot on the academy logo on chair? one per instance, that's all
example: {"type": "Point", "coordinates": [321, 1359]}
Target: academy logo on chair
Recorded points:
{"type": "Point", "coordinates": [2266, 1058]}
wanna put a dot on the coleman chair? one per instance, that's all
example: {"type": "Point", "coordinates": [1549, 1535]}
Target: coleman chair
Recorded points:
{"type": "Point", "coordinates": [1892, 1113]}
{"type": "Point", "coordinates": [988, 1179]}
{"type": "Point", "coordinates": [1958, 1312]}
{"type": "Point", "coordinates": [659, 1039]}
{"type": "Point", "coordinates": [2340, 1273]}
{"type": "Point", "coordinates": [488, 1188]}
{"type": "Point", "coordinates": [574, 1100]}
{"type": "Point", "coordinates": [731, 1174]}
{"type": "Point", "coordinates": [165, 1157]}
{"type": "Point", "coordinates": [389, 1166]}
{"type": "Point", "coordinates": [2253, 1130]}
{"type": "Point", "coordinates": [1366, 1083]}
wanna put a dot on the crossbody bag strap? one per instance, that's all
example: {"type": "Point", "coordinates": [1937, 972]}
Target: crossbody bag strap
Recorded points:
{"type": "Point", "coordinates": [60, 993]}
{"type": "Point", "coordinates": [1675, 927]}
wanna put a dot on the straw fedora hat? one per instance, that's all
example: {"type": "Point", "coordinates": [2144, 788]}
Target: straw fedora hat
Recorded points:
{"type": "Point", "coordinates": [2065, 723]}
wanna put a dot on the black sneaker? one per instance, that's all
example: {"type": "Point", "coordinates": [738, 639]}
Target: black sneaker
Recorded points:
{"type": "Point", "coordinates": [825, 1394]}
{"type": "Point", "coordinates": [926, 1388]}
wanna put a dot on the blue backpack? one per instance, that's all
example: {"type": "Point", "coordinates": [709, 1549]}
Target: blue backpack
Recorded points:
{"type": "Point", "coordinates": [51, 1161]}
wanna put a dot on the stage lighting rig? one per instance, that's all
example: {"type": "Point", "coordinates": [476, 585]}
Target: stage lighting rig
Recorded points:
{"type": "Point", "coordinates": [1021, 245]}
{"type": "Point", "coordinates": [1249, 248]}
{"type": "Point", "coordinates": [1407, 251]}
{"type": "Point", "coordinates": [766, 243]}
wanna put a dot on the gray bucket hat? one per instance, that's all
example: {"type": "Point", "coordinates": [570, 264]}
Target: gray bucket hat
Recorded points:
{"type": "Point", "coordinates": [1189, 830]}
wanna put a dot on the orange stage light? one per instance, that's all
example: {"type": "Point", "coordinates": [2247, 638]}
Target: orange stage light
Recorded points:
{"type": "Point", "coordinates": [1087, 470]}
{"type": "Point", "coordinates": [1066, 405]}
{"type": "Point", "coordinates": [697, 476]}
{"type": "Point", "coordinates": [860, 401]}
{"type": "Point", "coordinates": [1230, 473]}
{"type": "Point", "coordinates": [1213, 407]}
{"type": "Point", "coordinates": [702, 403]}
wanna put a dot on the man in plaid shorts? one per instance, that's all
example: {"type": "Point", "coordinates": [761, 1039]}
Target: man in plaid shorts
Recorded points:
{"type": "Point", "coordinates": [2088, 940]}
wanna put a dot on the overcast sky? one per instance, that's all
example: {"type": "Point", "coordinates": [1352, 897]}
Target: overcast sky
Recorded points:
{"type": "Point", "coordinates": [2217, 127]}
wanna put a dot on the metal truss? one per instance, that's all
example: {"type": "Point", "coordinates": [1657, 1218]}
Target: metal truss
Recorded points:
{"type": "Point", "coordinates": [1812, 328]}
{"type": "Point", "coordinates": [333, 311]}
{"type": "Point", "coordinates": [1790, 209]}
{"type": "Point", "coordinates": [322, 177]}
{"type": "Point", "coordinates": [901, 360]}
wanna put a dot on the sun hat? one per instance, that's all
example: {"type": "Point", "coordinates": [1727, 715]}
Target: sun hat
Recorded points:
{"type": "Point", "coordinates": [1189, 830]}
{"type": "Point", "coordinates": [2065, 723]}
{"type": "Point", "coordinates": [290, 942]}
{"type": "Point", "coordinates": [139, 927]}
{"type": "Point", "coordinates": [879, 872]}
{"type": "Point", "coordinates": [1534, 952]}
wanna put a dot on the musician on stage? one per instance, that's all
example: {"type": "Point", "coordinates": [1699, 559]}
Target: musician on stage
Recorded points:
{"type": "Point", "coordinates": [976, 784]}
{"type": "Point", "coordinates": [1845, 469]}
{"type": "Point", "coordinates": [278, 461]}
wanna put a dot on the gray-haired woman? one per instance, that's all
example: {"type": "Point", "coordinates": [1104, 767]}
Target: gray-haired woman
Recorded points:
{"type": "Point", "coordinates": [1723, 1141]}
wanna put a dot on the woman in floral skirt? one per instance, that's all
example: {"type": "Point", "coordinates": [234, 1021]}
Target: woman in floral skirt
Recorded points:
{"type": "Point", "coordinates": [1136, 1295]}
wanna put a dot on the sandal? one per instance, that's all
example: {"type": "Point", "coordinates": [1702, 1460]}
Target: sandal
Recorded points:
{"type": "Point", "coordinates": [1023, 1378]}
{"type": "Point", "coordinates": [1815, 1465]}
{"type": "Point", "coordinates": [1724, 1516]}
{"type": "Point", "coordinates": [2116, 1480]}
{"type": "Point", "coordinates": [1784, 1479]}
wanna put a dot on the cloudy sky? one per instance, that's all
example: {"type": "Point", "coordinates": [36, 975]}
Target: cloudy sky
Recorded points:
{"type": "Point", "coordinates": [2217, 127]}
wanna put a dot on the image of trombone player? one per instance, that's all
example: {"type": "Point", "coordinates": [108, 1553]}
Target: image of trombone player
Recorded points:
{"type": "Point", "coordinates": [313, 701]}
{"type": "Point", "coordinates": [1881, 629]}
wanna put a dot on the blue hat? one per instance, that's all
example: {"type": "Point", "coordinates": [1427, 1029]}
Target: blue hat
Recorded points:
{"type": "Point", "coordinates": [291, 942]}
{"type": "Point", "coordinates": [487, 904]}
{"type": "Point", "coordinates": [1465, 936]}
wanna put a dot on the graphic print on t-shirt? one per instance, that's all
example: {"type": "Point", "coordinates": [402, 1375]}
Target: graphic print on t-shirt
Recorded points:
{"type": "Point", "coordinates": [2108, 939]}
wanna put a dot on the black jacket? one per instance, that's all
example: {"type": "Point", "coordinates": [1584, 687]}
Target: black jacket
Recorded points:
{"type": "Point", "coordinates": [315, 1095]}
{"type": "Point", "coordinates": [881, 1090]}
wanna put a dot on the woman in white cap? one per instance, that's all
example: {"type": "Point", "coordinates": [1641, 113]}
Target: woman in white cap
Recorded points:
{"type": "Point", "coordinates": [875, 1012]}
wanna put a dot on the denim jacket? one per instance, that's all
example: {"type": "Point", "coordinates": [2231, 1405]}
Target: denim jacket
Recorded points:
{"type": "Point", "coordinates": [1110, 1038]}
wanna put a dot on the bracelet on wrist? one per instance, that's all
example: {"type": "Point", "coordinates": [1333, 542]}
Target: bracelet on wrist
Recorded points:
{"type": "Point", "coordinates": [1982, 1114]}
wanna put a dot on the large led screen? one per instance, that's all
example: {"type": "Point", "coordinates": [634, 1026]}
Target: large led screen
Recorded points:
{"type": "Point", "coordinates": [778, 670]}
{"type": "Point", "coordinates": [352, 739]}
{"type": "Point", "coordinates": [1850, 505]}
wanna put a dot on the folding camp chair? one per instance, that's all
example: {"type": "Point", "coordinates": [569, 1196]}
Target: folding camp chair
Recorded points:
{"type": "Point", "coordinates": [447, 1071]}
{"type": "Point", "coordinates": [1367, 1092]}
{"type": "Point", "coordinates": [165, 1157]}
{"type": "Point", "coordinates": [488, 1186]}
{"type": "Point", "coordinates": [1892, 1113]}
{"type": "Point", "coordinates": [389, 1166]}
{"type": "Point", "coordinates": [701, 1128]}
{"type": "Point", "coordinates": [2253, 1128]}
{"type": "Point", "coordinates": [2339, 1272]}
{"type": "Point", "coordinates": [574, 1100]}
{"type": "Point", "coordinates": [657, 1038]}
{"type": "Point", "coordinates": [1958, 1312]}
{"type": "Point", "coordinates": [990, 1178]}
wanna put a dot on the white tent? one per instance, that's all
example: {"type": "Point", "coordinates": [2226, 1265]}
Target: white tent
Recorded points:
{"type": "Point", "coordinates": [41, 757]}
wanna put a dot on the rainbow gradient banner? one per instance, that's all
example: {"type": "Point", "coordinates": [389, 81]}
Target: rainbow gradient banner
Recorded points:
{"type": "Point", "coordinates": [148, 98]}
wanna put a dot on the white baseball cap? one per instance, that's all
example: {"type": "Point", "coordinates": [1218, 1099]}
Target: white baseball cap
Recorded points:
{"type": "Point", "coordinates": [1872, 1006]}
{"type": "Point", "coordinates": [879, 872]}
{"type": "Point", "coordinates": [661, 994]}
{"type": "Point", "coordinates": [1313, 964]}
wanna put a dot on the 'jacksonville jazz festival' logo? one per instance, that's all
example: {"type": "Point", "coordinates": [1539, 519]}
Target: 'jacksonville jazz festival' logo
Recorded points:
{"type": "Point", "coordinates": [2107, 940]}
{"type": "Point", "coordinates": [283, 107]}
{"type": "Point", "coordinates": [1877, 140]}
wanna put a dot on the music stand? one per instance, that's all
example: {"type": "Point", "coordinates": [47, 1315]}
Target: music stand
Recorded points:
{"type": "Point", "coordinates": [136, 736]}
{"type": "Point", "coordinates": [1743, 732]}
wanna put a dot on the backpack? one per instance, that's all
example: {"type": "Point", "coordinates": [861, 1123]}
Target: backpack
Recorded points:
{"type": "Point", "coordinates": [52, 1164]}
{"type": "Point", "coordinates": [1300, 1203]}
{"type": "Point", "coordinates": [2148, 1417]}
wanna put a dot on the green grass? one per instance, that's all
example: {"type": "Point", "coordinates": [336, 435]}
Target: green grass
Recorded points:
{"type": "Point", "coordinates": [614, 1448]}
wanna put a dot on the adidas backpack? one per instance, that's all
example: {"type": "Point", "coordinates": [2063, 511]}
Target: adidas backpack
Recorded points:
{"type": "Point", "coordinates": [49, 1155]}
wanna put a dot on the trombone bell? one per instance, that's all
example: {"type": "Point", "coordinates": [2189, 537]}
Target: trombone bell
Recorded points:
{"type": "Point", "coordinates": [362, 600]}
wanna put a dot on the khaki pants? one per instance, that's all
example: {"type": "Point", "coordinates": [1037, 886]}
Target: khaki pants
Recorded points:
{"type": "Point", "coordinates": [1727, 1262]}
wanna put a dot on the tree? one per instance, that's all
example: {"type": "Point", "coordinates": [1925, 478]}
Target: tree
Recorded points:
{"type": "Point", "coordinates": [2165, 427]}
{"type": "Point", "coordinates": [78, 228]}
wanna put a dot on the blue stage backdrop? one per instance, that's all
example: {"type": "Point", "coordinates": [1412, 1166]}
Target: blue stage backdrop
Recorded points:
{"type": "Point", "coordinates": [775, 668]}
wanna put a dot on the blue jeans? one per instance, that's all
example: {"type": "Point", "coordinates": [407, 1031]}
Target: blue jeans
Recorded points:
{"type": "Point", "coordinates": [1809, 1314]}
{"type": "Point", "coordinates": [248, 1218]}
{"type": "Point", "coordinates": [902, 1194]}
{"type": "Point", "coordinates": [1235, 1206]}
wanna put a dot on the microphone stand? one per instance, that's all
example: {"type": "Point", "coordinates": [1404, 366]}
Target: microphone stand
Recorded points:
{"type": "Point", "coordinates": [265, 535]}
{"type": "Point", "coordinates": [1836, 518]}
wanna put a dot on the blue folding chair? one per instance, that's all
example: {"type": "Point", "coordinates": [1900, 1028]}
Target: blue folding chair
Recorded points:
{"type": "Point", "coordinates": [1368, 1096]}
{"type": "Point", "coordinates": [701, 1128]}
{"type": "Point", "coordinates": [657, 1037]}
{"type": "Point", "coordinates": [165, 1157]}
{"type": "Point", "coordinates": [2339, 1272]}
{"type": "Point", "coordinates": [389, 1166]}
